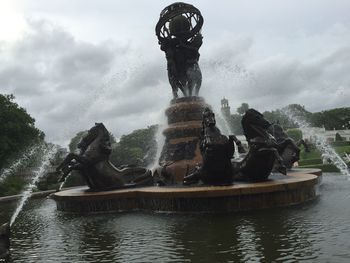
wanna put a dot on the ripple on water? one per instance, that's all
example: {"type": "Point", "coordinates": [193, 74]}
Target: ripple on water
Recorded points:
{"type": "Point", "coordinates": [316, 231]}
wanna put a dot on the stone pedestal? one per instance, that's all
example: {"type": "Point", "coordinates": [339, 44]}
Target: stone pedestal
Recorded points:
{"type": "Point", "coordinates": [181, 149]}
{"type": "Point", "coordinates": [278, 191]}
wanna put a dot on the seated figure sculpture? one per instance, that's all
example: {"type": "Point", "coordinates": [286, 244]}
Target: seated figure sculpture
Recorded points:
{"type": "Point", "coordinates": [263, 150]}
{"type": "Point", "coordinates": [4, 241]}
{"type": "Point", "coordinates": [181, 40]}
{"type": "Point", "coordinates": [287, 148]}
{"type": "Point", "coordinates": [217, 151]}
{"type": "Point", "coordinates": [93, 164]}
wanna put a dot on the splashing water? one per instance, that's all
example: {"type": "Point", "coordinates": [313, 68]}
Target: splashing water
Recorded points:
{"type": "Point", "coordinates": [61, 185]}
{"type": "Point", "coordinates": [160, 141]}
{"type": "Point", "coordinates": [222, 124]}
{"type": "Point", "coordinates": [18, 163]}
{"type": "Point", "coordinates": [49, 153]}
{"type": "Point", "coordinates": [321, 142]}
{"type": "Point", "coordinates": [230, 132]}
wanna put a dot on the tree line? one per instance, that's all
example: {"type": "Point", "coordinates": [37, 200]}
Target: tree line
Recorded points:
{"type": "Point", "coordinates": [337, 119]}
{"type": "Point", "coordinates": [17, 130]}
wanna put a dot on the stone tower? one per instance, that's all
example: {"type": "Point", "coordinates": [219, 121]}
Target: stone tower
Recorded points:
{"type": "Point", "coordinates": [225, 109]}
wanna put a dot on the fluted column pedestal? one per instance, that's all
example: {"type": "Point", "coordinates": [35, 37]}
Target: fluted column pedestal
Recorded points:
{"type": "Point", "coordinates": [181, 149]}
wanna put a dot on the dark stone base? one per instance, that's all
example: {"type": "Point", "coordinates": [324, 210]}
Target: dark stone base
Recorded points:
{"type": "Point", "coordinates": [181, 149]}
{"type": "Point", "coordinates": [277, 192]}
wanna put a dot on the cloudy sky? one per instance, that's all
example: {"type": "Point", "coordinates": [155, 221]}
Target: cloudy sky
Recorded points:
{"type": "Point", "coordinates": [71, 63]}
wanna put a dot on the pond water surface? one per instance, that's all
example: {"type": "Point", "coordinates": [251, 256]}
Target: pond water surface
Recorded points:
{"type": "Point", "coordinates": [318, 231]}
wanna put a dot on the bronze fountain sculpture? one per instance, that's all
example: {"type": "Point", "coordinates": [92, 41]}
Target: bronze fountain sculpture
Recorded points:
{"type": "Point", "coordinates": [263, 150]}
{"type": "Point", "coordinates": [217, 151]}
{"type": "Point", "coordinates": [287, 148]}
{"type": "Point", "coordinates": [194, 152]}
{"type": "Point", "coordinates": [94, 165]}
{"type": "Point", "coordinates": [178, 32]}
{"type": "Point", "coordinates": [195, 149]}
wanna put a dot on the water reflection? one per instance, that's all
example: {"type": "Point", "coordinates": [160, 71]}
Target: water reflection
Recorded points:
{"type": "Point", "coordinates": [317, 231]}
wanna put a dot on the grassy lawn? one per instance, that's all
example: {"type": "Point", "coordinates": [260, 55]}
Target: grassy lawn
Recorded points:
{"type": "Point", "coordinates": [342, 149]}
{"type": "Point", "coordinates": [313, 159]}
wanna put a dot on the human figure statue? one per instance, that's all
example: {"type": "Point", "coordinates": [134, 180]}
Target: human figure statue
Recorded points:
{"type": "Point", "coordinates": [217, 151]}
{"type": "Point", "coordinates": [5, 234]}
{"type": "Point", "coordinates": [178, 32]}
{"type": "Point", "coordinates": [93, 164]}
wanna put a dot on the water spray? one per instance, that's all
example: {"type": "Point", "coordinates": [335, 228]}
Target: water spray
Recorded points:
{"type": "Point", "coordinates": [49, 153]}
{"type": "Point", "coordinates": [321, 142]}
{"type": "Point", "coordinates": [13, 168]}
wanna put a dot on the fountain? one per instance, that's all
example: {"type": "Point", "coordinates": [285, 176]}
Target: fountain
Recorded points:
{"type": "Point", "coordinates": [196, 171]}
{"type": "Point", "coordinates": [321, 142]}
{"type": "Point", "coordinates": [19, 162]}
{"type": "Point", "coordinates": [48, 155]}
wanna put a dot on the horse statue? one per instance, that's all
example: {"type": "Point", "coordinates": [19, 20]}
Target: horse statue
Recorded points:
{"type": "Point", "coordinates": [94, 165]}
{"type": "Point", "coordinates": [5, 234]}
{"type": "Point", "coordinates": [287, 148]}
{"type": "Point", "coordinates": [217, 151]}
{"type": "Point", "coordinates": [263, 150]}
{"type": "Point", "coordinates": [178, 32]}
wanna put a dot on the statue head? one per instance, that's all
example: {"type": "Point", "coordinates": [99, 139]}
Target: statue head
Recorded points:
{"type": "Point", "coordinates": [254, 117]}
{"type": "Point", "coordinates": [91, 135]}
{"type": "Point", "coordinates": [179, 26]}
{"type": "Point", "coordinates": [208, 118]}
{"type": "Point", "coordinates": [254, 124]}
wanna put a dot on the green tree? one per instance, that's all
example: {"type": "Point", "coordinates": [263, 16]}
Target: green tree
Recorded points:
{"type": "Point", "coordinates": [299, 111]}
{"type": "Point", "coordinates": [338, 119]}
{"type": "Point", "coordinates": [283, 116]}
{"type": "Point", "coordinates": [75, 140]}
{"type": "Point", "coordinates": [17, 130]}
{"type": "Point", "coordinates": [295, 134]}
{"type": "Point", "coordinates": [243, 108]}
{"type": "Point", "coordinates": [73, 144]}
{"type": "Point", "coordinates": [132, 148]}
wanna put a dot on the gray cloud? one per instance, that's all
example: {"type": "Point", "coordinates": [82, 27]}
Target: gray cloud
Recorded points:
{"type": "Point", "coordinates": [67, 84]}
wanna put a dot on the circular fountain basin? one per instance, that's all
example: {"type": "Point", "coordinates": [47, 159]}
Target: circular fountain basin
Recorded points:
{"type": "Point", "coordinates": [295, 188]}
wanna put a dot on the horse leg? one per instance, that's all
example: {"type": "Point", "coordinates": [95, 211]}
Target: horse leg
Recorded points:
{"type": "Point", "coordinates": [281, 168]}
{"type": "Point", "coordinates": [173, 80]}
{"type": "Point", "coordinates": [68, 169]}
{"type": "Point", "coordinates": [195, 79]}
{"type": "Point", "coordinates": [181, 86]}
{"type": "Point", "coordinates": [80, 167]}
{"type": "Point", "coordinates": [66, 161]}
{"type": "Point", "coordinates": [145, 179]}
{"type": "Point", "coordinates": [66, 166]}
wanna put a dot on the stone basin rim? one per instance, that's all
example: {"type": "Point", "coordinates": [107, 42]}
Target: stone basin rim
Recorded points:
{"type": "Point", "coordinates": [290, 182]}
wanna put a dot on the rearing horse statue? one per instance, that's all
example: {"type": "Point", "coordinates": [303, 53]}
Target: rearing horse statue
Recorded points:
{"type": "Point", "coordinates": [263, 150]}
{"type": "Point", "coordinates": [287, 148]}
{"type": "Point", "coordinates": [94, 165]}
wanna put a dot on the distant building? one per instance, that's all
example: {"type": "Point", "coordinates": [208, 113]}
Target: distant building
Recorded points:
{"type": "Point", "coordinates": [225, 109]}
{"type": "Point", "coordinates": [233, 121]}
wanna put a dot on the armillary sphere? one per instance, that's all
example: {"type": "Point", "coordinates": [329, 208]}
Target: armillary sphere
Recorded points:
{"type": "Point", "coordinates": [186, 11]}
